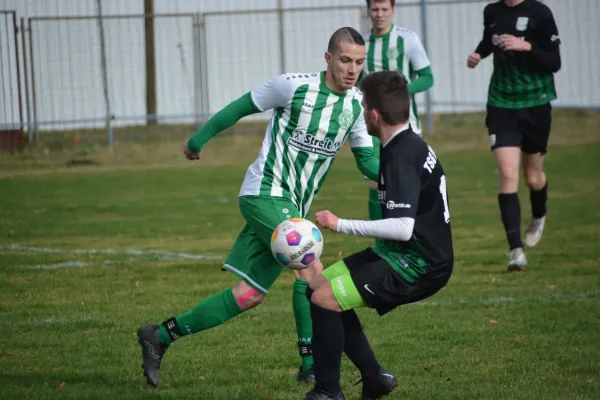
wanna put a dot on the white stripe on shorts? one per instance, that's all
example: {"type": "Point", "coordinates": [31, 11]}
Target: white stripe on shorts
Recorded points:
{"type": "Point", "coordinates": [246, 277]}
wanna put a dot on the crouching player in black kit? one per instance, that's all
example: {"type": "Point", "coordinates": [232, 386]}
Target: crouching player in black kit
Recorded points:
{"type": "Point", "coordinates": [411, 260]}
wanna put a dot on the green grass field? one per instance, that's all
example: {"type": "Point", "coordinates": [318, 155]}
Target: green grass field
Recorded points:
{"type": "Point", "coordinates": [88, 254]}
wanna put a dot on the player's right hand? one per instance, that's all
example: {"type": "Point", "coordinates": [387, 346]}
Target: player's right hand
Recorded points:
{"type": "Point", "coordinates": [473, 60]}
{"type": "Point", "coordinates": [190, 155]}
{"type": "Point", "coordinates": [327, 219]}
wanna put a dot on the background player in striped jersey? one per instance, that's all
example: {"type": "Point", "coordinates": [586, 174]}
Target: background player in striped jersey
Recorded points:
{"type": "Point", "coordinates": [393, 48]}
{"type": "Point", "coordinates": [523, 37]}
{"type": "Point", "coordinates": [313, 115]}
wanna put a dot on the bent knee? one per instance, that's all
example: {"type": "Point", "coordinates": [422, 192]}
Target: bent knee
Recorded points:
{"type": "Point", "coordinates": [535, 179]}
{"type": "Point", "coordinates": [318, 297]}
{"type": "Point", "coordinates": [247, 297]}
{"type": "Point", "coordinates": [323, 296]}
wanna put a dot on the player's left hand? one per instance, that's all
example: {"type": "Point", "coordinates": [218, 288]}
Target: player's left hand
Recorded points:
{"type": "Point", "coordinates": [327, 219]}
{"type": "Point", "coordinates": [513, 43]}
{"type": "Point", "coordinates": [190, 155]}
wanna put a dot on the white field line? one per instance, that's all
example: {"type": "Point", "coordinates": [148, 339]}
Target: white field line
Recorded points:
{"type": "Point", "coordinates": [64, 321]}
{"type": "Point", "coordinates": [75, 264]}
{"type": "Point", "coordinates": [268, 309]}
{"type": "Point", "coordinates": [68, 264]}
{"type": "Point", "coordinates": [275, 309]}
{"type": "Point", "coordinates": [174, 255]}
{"type": "Point", "coordinates": [551, 297]}
{"type": "Point", "coordinates": [520, 299]}
{"type": "Point", "coordinates": [131, 252]}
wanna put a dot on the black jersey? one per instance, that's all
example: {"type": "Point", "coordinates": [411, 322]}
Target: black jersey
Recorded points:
{"type": "Point", "coordinates": [521, 79]}
{"type": "Point", "coordinates": [412, 184]}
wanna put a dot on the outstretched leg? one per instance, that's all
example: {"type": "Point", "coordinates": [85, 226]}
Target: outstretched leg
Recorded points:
{"type": "Point", "coordinates": [213, 311]}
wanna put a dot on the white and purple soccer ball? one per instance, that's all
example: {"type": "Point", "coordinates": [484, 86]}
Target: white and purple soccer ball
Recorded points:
{"type": "Point", "coordinates": [297, 243]}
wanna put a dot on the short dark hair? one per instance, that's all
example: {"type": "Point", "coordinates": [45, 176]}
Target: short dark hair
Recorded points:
{"type": "Point", "coordinates": [392, 2]}
{"type": "Point", "coordinates": [346, 35]}
{"type": "Point", "coordinates": [387, 92]}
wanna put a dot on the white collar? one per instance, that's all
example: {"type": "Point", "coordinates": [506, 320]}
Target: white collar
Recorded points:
{"type": "Point", "coordinates": [402, 129]}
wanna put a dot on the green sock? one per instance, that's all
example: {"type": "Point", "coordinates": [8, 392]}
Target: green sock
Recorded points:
{"type": "Point", "coordinates": [301, 307]}
{"type": "Point", "coordinates": [211, 312]}
{"type": "Point", "coordinates": [374, 207]}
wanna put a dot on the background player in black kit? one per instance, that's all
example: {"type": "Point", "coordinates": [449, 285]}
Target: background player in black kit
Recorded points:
{"type": "Point", "coordinates": [411, 260]}
{"type": "Point", "coordinates": [523, 37]}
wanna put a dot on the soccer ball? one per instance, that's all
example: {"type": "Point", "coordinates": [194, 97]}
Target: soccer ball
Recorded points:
{"type": "Point", "coordinates": [297, 243]}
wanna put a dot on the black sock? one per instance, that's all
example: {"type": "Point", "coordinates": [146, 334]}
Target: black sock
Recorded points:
{"type": "Point", "coordinates": [510, 211]}
{"type": "Point", "coordinates": [538, 201]}
{"type": "Point", "coordinates": [357, 347]}
{"type": "Point", "coordinates": [328, 346]}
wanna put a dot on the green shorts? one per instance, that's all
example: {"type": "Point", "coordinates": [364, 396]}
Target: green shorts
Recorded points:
{"type": "Point", "coordinates": [251, 258]}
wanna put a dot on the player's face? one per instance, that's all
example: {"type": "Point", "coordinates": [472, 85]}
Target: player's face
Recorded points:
{"type": "Point", "coordinates": [381, 14]}
{"type": "Point", "coordinates": [345, 65]}
{"type": "Point", "coordinates": [371, 119]}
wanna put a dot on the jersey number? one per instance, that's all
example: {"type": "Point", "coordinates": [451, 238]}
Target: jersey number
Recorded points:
{"type": "Point", "coordinates": [444, 193]}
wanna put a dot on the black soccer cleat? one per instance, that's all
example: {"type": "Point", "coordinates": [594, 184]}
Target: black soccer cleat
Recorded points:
{"type": "Point", "coordinates": [318, 395]}
{"type": "Point", "coordinates": [384, 384]}
{"type": "Point", "coordinates": [307, 376]}
{"type": "Point", "coordinates": [152, 353]}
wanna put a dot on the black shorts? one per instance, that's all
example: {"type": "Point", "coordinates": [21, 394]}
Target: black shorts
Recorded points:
{"type": "Point", "coordinates": [383, 289]}
{"type": "Point", "coordinates": [527, 128]}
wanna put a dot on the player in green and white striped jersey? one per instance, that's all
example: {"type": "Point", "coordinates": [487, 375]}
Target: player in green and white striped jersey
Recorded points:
{"type": "Point", "coordinates": [309, 125]}
{"type": "Point", "coordinates": [313, 116]}
{"type": "Point", "coordinates": [392, 48]}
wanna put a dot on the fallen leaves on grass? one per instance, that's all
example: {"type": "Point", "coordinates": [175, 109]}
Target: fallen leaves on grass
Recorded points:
{"type": "Point", "coordinates": [430, 366]}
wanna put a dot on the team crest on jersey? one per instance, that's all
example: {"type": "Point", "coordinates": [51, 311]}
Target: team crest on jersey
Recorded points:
{"type": "Point", "coordinates": [392, 53]}
{"type": "Point", "coordinates": [345, 119]}
{"type": "Point", "coordinates": [496, 40]}
{"type": "Point", "coordinates": [522, 23]}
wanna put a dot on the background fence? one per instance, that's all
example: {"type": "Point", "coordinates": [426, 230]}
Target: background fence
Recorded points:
{"type": "Point", "coordinates": [59, 56]}
{"type": "Point", "coordinates": [11, 104]}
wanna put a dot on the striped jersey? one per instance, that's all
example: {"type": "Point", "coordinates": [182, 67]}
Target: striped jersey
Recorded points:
{"type": "Point", "coordinates": [398, 50]}
{"type": "Point", "coordinates": [309, 125]}
{"type": "Point", "coordinates": [518, 80]}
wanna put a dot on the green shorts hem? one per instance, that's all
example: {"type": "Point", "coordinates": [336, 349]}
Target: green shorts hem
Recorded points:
{"type": "Point", "coordinates": [250, 257]}
{"type": "Point", "coordinates": [245, 278]}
